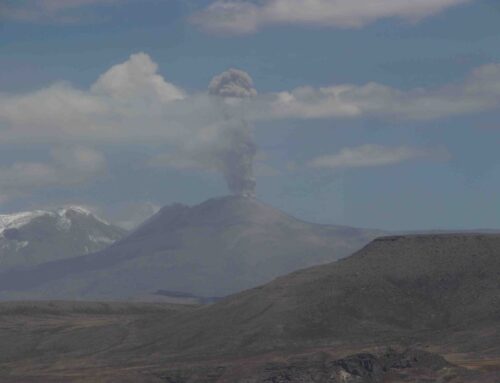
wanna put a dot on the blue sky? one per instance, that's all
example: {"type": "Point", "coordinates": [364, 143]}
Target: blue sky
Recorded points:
{"type": "Point", "coordinates": [386, 120]}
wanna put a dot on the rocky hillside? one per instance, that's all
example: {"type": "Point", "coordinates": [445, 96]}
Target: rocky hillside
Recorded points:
{"type": "Point", "coordinates": [404, 287]}
{"type": "Point", "coordinates": [403, 309]}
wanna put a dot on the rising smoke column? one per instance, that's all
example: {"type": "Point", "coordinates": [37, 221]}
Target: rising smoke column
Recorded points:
{"type": "Point", "coordinates": [231, 88]}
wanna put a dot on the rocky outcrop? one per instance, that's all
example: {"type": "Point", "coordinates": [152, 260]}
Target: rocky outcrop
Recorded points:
{"type": "Point", "coordinates": [391, 366]}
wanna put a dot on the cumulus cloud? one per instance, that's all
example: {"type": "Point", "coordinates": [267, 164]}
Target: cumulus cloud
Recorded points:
{"type": "Point", "coordinates": [132, 103]}
{"type": "Point", "coordinates": [137, 77]}
{"type": "Point", "coordinates": [480, 91]}
{"type": "Point", "coordinates": [307, 102]}
{"type": "Point", "coordinates": [127, 102]}
{"type": "Point", "coordinates": [244, 16]}
{"type": "Point", "coordinates": [211, 130]}
{"type": "Point", "coordinates": [374, 155]}
{"type": "Point", "coordinates": [59, 108]}
{"type": "Point", "coordinates": [66, 167]}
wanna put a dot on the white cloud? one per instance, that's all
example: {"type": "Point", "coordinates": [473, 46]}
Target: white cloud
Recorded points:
{"type": "Point", "coordinates": [67, 167]}
{"type": "Point", "coordinates": [127, 102]}
{"type": "Point", "coordinates": [244, 16]}
{"type": "Point", "coordinates": [137, 77]}
{"type": "Point", "coordinates": [56, 109]}
{"type": "Point", "coordinates": [307, 102]}
{"type": "Point", "coordinates": [478, 92]}
{"type": "Point", "coordinates": [374, 155]}
{"type": "Point", "coordinates": [132, 103]}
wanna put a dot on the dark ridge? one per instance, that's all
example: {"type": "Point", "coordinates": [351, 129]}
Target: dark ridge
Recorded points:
{"type": "Point", "coordinates": [403, 287]}
{"type": "Point", "coordinates": [179, 294]}
{"type": "Point", "coordinates": [437, 236]}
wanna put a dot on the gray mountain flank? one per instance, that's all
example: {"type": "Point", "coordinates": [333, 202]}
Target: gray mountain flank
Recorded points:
{"type": "Point", "coordinates": [219, 247]}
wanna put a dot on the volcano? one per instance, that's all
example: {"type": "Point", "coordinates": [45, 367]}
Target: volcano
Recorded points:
{"type": "Point", "coordinates": [221, 246]}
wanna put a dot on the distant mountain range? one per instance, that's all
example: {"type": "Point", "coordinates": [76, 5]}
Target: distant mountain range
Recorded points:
{"type": "Point", "coordinates": [30, 238]}
{"type": "Point", "coordinates": [216, 248]}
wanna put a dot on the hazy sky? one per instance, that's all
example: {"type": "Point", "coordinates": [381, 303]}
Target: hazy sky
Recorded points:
{"type": "Point", "coordinates": [374, 113]}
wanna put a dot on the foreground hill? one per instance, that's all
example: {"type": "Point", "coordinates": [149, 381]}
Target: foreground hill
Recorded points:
{"type": "Point", "coordinates": [405, 287]}
{"type": "Point", "coordinates": [221, 246]}
{"type": "Point", "coordinates": [330, 323]}
{"type": "Point", "coordinates": [34, 237]}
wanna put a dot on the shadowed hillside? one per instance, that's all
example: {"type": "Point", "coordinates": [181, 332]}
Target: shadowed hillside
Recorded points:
{"type": "Point", "coordinates": [411, 287]}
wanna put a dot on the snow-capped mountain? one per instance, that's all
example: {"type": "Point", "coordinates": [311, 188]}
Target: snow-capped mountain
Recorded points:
{"type": "Point", "coordinates": [218, 247]}
{"type": "Point", "coordinates": [34, 237]}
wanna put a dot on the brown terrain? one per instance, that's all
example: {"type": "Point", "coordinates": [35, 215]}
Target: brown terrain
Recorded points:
{"type": "Point", "coordinates": [422, 308]}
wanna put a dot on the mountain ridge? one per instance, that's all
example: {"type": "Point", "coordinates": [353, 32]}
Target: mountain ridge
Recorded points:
{"type": "Point", "coordinates": [215, 248]}
{"type": "Point", "coordinates": [34, 237]}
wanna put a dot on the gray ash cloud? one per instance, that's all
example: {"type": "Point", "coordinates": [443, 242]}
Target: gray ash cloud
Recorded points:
{"type": "Point", "coordinates": [238, 156]}
{"type": "Point", "coordinates": [232, 83]}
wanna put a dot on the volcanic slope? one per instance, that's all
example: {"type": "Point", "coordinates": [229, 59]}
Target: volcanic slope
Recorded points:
{"type": "Point", "coordinates": [221, 246]}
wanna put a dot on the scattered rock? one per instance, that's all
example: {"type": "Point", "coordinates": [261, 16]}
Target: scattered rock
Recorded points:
{"type": "Point", "coordinates": [358, 368]}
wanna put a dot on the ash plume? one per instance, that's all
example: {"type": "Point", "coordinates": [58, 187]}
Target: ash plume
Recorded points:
{"type": "Point", "coordinates": [232, 83]}
{"type": "Point", "coordinates": [237, 158]}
